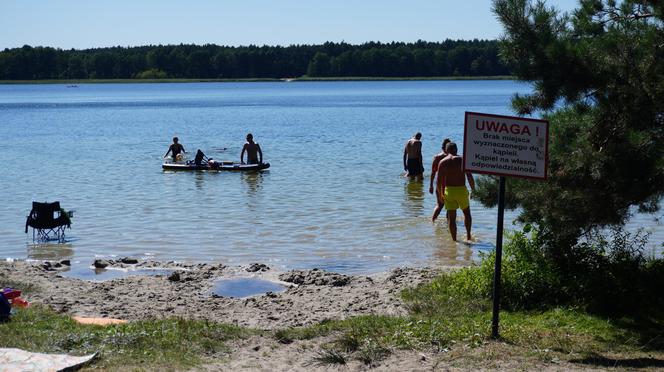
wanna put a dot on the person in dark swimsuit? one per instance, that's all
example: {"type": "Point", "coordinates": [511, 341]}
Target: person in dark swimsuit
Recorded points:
{"type": "Point", "coordinates": [176, 150]}
{"type": "Point", "coordinates": [412, 157]}
{"type": "Point", "coordinates": [253, 150]}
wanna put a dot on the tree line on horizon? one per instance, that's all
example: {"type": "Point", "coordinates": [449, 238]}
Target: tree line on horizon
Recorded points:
{"type": "Point", "coordinates": [372, 59]}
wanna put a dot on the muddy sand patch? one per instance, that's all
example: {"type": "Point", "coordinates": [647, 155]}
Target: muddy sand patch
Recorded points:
{"type": "Point", "coordinates": [309, 296]}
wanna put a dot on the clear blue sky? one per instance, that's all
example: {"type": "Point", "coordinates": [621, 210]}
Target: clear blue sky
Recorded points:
{"type": "Point", "coordinates": [100, 23]}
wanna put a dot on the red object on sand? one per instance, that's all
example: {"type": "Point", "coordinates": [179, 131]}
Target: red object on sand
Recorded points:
{"type": "Point", "coordinates": [11, 293]}
{"type": "Point", "coordinates": [19, 302]}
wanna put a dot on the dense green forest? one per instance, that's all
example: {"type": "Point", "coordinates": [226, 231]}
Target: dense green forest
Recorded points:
{"type": "Point", "coordinates": [373, 59]}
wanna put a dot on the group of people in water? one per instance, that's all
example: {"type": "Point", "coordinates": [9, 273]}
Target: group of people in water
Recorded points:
{"type": "Point", "coordinates": [251, 148]}
{"type": "Point", "coordinates": [447, 170]}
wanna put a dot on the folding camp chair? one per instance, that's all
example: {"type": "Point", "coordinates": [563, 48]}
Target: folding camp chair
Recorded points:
{"type": "Point", "coordinates": [202, 160]}
{"type": "Point", "coordinates": [200, 157]}
{"type": "Point", "coordinates": [49, 221]}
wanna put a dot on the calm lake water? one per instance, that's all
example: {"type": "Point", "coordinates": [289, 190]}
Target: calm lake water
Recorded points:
{"type": "Point", "coordinates": [333, 198]}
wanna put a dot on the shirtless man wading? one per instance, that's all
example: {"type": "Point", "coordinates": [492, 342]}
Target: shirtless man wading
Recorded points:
{"type": "Point", "coordinates": [451, 189]}
{"type": "Point", "coordinates": [412, 157]}
{"type": "Point", "coordinates": [434, 170]}
{"type": "Point", "coordinates": [434, 164]}
{"type": "Point", "coordinates": [253, 151]}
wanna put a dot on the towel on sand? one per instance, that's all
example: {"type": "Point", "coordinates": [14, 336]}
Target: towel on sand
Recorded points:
{"type": "Point", "coordinates": [21, 360]}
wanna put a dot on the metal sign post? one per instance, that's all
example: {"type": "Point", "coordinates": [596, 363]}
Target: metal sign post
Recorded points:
{"type": "Point", "coordinates": [499, 259]}
{"type": "Point", "coordinates": [504, 146]}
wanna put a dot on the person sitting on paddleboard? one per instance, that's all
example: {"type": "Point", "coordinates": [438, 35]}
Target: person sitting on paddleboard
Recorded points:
{"type": "Point", "coordinates": [253, 151]}
{"type": "Point", "coordinates": [175, 149]}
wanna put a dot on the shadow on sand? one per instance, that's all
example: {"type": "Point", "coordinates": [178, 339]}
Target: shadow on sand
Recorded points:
{"type": "Point", "coordinates": [601, 361]}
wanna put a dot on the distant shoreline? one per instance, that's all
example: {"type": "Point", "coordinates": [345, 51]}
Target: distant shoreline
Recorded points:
{"type": "Point", "coordinates": [300, 79]}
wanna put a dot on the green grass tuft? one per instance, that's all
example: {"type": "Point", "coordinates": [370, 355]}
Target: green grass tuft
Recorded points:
{"type": "Point", "coordinates": [329, 356]}
{"type": "Point", "coordinates": [168, 343]}
{"type": "Point", "coordinates": [288, 335]}
{"type": "Point", "coordinates": [372, 351]}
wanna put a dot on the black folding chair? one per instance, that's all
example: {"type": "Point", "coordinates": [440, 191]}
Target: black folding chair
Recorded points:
{"type": "Point", "coordinates": [200, 157]}
{"type": "Point", "coordinates": [202, 160]}
{"type": "Point", "coordinates": [48, 221]}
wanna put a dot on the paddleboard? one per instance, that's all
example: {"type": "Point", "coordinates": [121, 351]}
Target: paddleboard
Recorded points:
{"type": "Point", "coordinates": [221, 166]}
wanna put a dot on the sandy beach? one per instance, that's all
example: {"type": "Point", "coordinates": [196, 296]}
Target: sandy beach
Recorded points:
{"type": "Point", "coordinates": [311, 296]}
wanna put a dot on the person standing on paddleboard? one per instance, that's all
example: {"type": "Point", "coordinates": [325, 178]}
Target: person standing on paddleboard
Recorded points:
{"type": "Point", "coordinates": [253, 150]}
{"type": "Point", "coordinates": [176, 150]}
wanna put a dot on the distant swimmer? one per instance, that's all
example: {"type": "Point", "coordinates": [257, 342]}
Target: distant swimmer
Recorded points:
{"type": "Point", "coordinates": [412, 157]}
{"type": "Point", "coordinates": [253, 150]}
{"type": "Point", "coordinates": [451, 189]}
{"type": "Point", "coordinates": [434, 169]}
{"type": "Point", "coordinates": [176, 150]}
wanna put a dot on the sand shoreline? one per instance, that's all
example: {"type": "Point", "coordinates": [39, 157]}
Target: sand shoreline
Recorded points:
{"type": "Point", "coordinates": [311, 295]}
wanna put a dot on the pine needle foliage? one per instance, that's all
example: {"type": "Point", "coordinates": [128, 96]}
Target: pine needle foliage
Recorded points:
{"type": "Point", "coordinates": [598, 78]}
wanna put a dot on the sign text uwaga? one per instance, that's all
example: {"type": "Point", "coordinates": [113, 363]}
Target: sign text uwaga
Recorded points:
{"type": "Point", "coordinates": [505, 145]}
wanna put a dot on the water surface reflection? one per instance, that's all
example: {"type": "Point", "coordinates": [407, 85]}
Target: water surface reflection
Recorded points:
{"type": "Point", "coordinates": [413, 203]}
{"type": "Point", "coordinates": [50, 251]}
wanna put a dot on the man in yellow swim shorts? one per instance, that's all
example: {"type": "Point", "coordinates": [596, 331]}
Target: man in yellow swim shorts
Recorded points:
{"type": "Point", "coordinates": [451, 189]}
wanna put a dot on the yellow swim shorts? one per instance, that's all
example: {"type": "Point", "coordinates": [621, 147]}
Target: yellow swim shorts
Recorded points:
{"type": "Point", "coordinates": [456, 197]}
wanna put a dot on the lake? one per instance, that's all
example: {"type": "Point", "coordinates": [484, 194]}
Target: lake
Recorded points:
{"type": "Point", "coordinates": [333, 198]}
